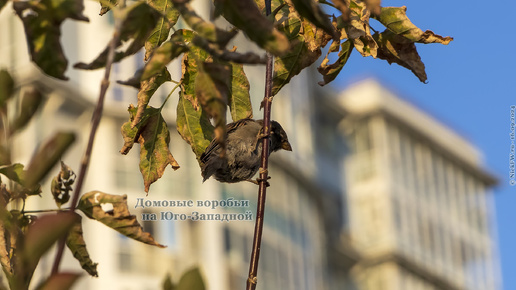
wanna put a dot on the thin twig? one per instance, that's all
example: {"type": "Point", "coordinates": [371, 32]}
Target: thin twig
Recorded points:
{"type": "Point", "coordinates": [260, 209]}
{"type": "Point", "coordinates": [97, 115]}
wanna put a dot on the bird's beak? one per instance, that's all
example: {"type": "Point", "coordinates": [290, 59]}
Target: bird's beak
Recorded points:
{"type": "Point", "coordinates": [286, 146]}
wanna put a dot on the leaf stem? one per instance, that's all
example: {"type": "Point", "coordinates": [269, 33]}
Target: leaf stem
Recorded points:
{"type": "Point", "coordinates": [262, 190]}
{"type": "Point", "coordinates": [46, 210]}
{"type": "Point", "coordinates": [178, 84]}
{"type": "Point", "coordinates": [97, 115]}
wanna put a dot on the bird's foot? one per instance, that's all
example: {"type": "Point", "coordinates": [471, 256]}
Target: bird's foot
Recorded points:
{"type": "Point", "coordinates": [258, 180]}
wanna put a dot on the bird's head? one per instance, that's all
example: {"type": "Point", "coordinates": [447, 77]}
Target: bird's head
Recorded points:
{"type": "Point", "coordinates": [279, 139]}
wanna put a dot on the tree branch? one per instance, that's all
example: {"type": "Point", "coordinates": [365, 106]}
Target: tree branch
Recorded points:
{"type": "Point", "coordinates": [97, 115]}
{"type": "Point", "coordinates": [260, 209]}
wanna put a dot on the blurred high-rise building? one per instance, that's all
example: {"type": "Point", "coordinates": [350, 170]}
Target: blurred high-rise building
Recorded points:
{"type": "Point", "coordinates": [418, 209]}
{"type": "Point", "coordinates": [375, 195]}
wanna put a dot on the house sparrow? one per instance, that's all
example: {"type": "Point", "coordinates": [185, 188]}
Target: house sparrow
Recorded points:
{"type": "Point", "coordinates": [243, 151]}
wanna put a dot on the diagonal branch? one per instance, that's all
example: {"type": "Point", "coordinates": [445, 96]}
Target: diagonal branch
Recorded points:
{"type": "Point", "coordinates": [260, 210]}
{"type": "Point", "coordinates": [97, 115]}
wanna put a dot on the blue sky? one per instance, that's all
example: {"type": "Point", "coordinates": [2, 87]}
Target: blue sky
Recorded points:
{"type": "Point", "coordinates": [468, 89]}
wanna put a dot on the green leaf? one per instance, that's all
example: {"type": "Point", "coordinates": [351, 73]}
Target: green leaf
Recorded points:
{"type": "Point", "coordinates": [358, 31]}
{"type": "Point", "coordinates": [398, 49]}
{"type": "Point", "coordinates": [330, 71]}
{"type": "Point", "coordinates": [147, 89]}
{"type": "Point", "coordinates": [119, 219]}
{"type": "Point", "coordinates": [194, 126]}
{"type": "Point", "coordinates": [204, 28]}
{"type": "Point", "coordinates": [300, 55]}
{"type": "Point", "coordinates": [6, 87]}
{"type": "Point", "coordinates": [191, 280]}
{"type": "Point", "coordinates": [30, 103]}
{"type": "Point", "coordinates": [211, 89]}
{"type": "Point", "coordinates": [138, 23]}
{"type": "Point", "coordinates": [155, 155]}
{"type": "Point", "coordinates": [245, 15]}
{"type": "Point", "coordinates": [75, 242]}
{"type": "Point", "coordinates": [152, 134]}
{"type": "Point", "coordinates": [47, 156]}
{"type": "Point", "coordinates": [62, 185]}
{"type": "Point", "coordinates": [191, 64]}
{"type": "Point", "coordinates": [396, 20]}
{"type": "Point", "coordinates": [41, 235]}
{"type": "Point", "coordinates": [167, 52]}
{"type": "Point", "coordinates": [239, 99]}
{"type": "Point", "coordinates": [42, 21]}
{"type": "Point", "coordinates": [60, 281]}
{"type": "Point", "coordinates": [14, 172]}
{"type": "Point", "coordinates": [311, 10]}
{"type": "Point", "coordinates": [162, 29]}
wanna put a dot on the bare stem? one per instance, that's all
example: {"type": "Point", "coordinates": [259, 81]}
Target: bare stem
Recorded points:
{"type": "Point", "coordinates": [262, 190]}
{"type": "Point", "coordinates": [97, 115]}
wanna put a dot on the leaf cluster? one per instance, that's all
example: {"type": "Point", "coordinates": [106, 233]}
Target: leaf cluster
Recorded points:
{"type": "Point", "coordinates": [26, 236]}
{"type": "Point", "coordinates": [213, 78]}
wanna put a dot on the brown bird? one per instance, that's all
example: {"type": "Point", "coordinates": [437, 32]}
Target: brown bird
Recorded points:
{"type": "Point", "coordinates": [243, 151]}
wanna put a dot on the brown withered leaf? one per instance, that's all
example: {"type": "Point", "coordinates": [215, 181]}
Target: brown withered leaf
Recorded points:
{"type": "Point", "coordinates": [75, 242]}
{"type": "Point", "coordinates": [119, 219]}
{"type": "Point", "coordinates": [396, 20]}
{"type": "Point", "coordinates": [397, 49]}
{"type": "Point", "coordinates": [62, 185]}
{"type": "Point", "coordinates": [302, 51]}
{"type": "Point", "coordinates": [357, 29]}
{"type": "Point", "coordinates": [330, 71]}
{"type": "Point", "coordinates": [310, 10]}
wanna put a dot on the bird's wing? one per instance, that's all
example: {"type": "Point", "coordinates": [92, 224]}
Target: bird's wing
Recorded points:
{"type": "Point", "coordinates": [235, 125]}
{"type": "Point", "coordinates": [214, 145]}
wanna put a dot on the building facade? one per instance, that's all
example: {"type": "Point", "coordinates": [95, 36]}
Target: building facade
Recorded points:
{"type": "Point", "coordinates": [419, 210]}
